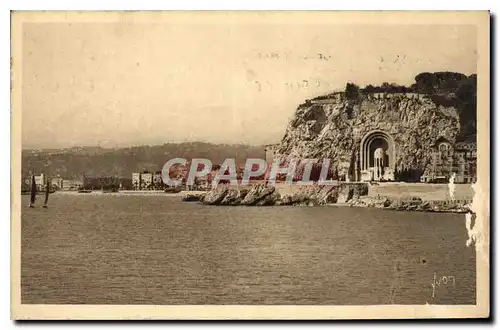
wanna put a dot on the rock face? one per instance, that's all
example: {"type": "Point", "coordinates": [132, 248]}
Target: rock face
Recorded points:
{"type": "Point", "coordinates": [352, 194]}
{"type": "Point", "coordinates": [266, 195]}
{"type": "Point", "coordinates": [259, 194]}
{"type": "Point", "coordinates": [349, 191]}
{"type": "Point", "coordinates": [192, 198]}
{"type": "Point", "coordinates": [334, 127]}
{"type": "Point", "coordinates": [215, 196]}
{"type": "Point", "coordinates": [234, 197]}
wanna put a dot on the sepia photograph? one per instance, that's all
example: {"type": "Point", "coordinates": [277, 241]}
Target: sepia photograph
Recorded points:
{"type": "Point", "coordinates": [250, 165]}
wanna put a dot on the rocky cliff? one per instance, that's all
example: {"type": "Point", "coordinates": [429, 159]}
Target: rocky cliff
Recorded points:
{"type": "Point", "coordinates": [332, 127]}
{"type": "Point", "coordinates": [267, 195]}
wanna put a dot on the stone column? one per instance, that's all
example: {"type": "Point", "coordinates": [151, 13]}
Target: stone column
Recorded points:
{"type": "Point", "coordinates": [377, 161]}
{"type": "Point", "coordinates": [356, 179]}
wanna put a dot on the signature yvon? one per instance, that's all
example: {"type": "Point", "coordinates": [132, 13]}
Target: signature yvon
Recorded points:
{"type": "Point", "coordinates": [437, 282]}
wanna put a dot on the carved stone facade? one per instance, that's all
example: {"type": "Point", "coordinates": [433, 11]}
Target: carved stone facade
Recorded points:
{"type": "Point", "coordinates": [377, 154]}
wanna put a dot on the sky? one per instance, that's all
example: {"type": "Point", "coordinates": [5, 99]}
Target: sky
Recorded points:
{"type": "Point", "coordinates": [123, 83]}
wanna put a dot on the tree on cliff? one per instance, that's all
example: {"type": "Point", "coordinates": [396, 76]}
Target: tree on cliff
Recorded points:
{"type": "Point", "coordinates": [387, 88]}
{"type": "Point", "coordinates": [466, 95]}
{"type": "Point", "coordinates": [351, 91]}
{"type": "Point", "coordinates": [437, 82]}
{"type": "Point", "coordinates": [456, 90]}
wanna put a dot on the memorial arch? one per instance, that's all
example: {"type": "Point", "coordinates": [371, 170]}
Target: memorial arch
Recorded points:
{"type": "Point", "coordinates": [377, 156]}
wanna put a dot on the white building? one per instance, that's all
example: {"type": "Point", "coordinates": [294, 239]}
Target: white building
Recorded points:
{"type": "Point", "coordinates": [58, 182]}
{"type": "Point", "coordinates": [157, 180]}
{"type": "Point", "coordinates": [146, 180]}
{"type": "Point", "coordinates": [39, 181]}
{"type": "Point", "coordinates": [136, 181]}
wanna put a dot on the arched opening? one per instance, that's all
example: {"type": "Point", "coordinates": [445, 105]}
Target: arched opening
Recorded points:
{"type": "Point", "coordinates": [378, 148]}
{"type": "Point", "coordinates": [377, 157]}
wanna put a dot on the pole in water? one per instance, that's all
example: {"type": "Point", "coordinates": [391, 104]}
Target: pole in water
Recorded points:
{"type": "Point", "coordinates": [33, 191]}
{"type": "Point", "coordinates": [47, 191]}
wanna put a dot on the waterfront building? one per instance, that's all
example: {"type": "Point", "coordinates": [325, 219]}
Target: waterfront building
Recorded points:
{"type": "Point", "coordinates": [157, 181]}
{"type": "Point", "coordinates": [136, 181]}
{"type": "Point", "coordinates": [146, 180]}
{"type": "Point", "coordinates": [57, 182]}
{"type": "Point", "coordinates": [460, 159]}
{"type": "Point", "coordinates": [108, 183]}
{"type": "Point", "coordinates": [60, 183]}
{"type": "Point", "coordinates": [39, 181]}
{"type": "Point", "coordinates": [71, 184]}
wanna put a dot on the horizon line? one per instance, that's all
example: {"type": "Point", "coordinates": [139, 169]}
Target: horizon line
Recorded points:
{"type": "Point", "coordinates": [146, 145]}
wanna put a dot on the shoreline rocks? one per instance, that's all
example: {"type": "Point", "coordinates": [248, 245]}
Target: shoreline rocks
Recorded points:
{"type": "Point", "coordinates": [192, 198]}
{"type": "Point", "coordinates": [349, 194]}
{"type": "Point", "coordinates": [412, 204]}
{"type": "Point", "coordinates": [267, 195]}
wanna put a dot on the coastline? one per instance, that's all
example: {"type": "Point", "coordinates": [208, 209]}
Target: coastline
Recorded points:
{"type": "Point", "coordinates": [417, 197]}
{"type": "Point", "coordinates": [398, 196]}
{"type": "Point", "coordinates": [119, 193]}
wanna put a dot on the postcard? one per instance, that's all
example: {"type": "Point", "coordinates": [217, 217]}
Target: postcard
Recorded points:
{"type": "Point", "coordinates": [250, 165]}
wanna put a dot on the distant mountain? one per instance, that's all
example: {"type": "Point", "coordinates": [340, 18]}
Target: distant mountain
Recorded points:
{"type": "Point", "coordinates": [73, 163]}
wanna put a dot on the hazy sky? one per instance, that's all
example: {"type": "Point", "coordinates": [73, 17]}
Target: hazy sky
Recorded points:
{"type": "Point", "coordinates": [120, 84]}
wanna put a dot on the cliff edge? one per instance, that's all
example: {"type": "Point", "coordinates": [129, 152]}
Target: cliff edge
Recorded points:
{"type": "Point", "coordinates": [335, 126]}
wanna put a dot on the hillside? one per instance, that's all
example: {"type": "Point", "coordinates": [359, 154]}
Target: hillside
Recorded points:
{"type": "Point", "coordinates": [72, 163]}
{"type": "Point", "coordinates": [448, 89]}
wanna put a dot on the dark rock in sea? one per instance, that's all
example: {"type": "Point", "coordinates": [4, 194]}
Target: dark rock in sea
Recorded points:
{"type": "Point", "coordinates": [215, 196]}
{"type": "Point", "coordinates": [256, 193]}
{"type": "Point", "coordinates": [268, 200]}
{"type": "Point", "coordinates": [345, 195]}
{"type": "Point", "coordinates": [234, 197]}
{"type": "Point", "coordinates": [261, 195]}
{"type": "Point", "coordinates": [192, 198]}
{"type": "Point", "coordinates": [327, 194]}
{"type": "Point", "coordinates": [359, 189]}
{"type": "Point", "coordinates": [349, 191]}
{"type": "Point", "coordinates": [312, 195]}
{"type": "Point", "coordinates": [296, 198]}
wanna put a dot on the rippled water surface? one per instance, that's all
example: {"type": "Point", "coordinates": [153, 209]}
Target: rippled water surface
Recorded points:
{"type": "Point", "coordinates": [109, 249]}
